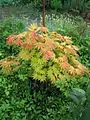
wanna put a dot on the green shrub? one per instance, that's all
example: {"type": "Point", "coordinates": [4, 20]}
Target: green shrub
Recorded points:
{"type": "Point", "coordinates": [7, 27]}
{"type": "Point", "coordinates": [84, 50]}
{"type": "Point", "coordinates": [12, 106]}
{"type": "Point", "coordinates": [11, 25]}
{"type": "Point", "coordinates": [80, 104]}
{"type": "Point", "coordinates": [19, 100]}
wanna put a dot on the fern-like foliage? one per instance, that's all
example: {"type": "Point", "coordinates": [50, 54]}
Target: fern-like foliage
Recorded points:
{"type": "Point", "coordinates": [51, 55]}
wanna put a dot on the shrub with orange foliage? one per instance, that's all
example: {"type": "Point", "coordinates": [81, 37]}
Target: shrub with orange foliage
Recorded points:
{"type": "Point", "coordinates": [51, 55]}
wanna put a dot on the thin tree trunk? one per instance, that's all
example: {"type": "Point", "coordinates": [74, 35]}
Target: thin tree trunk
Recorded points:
{"type": "Point", "coordinates": [76, 4]}
{"type": "Point", "coordinates": [43, 13]}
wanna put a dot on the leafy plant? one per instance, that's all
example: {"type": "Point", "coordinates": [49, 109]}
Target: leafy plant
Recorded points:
{"type": "Point", "coordinates": [7, 27]}
{"type": "Point", "coordinates": [86, 115]}
{"type": "Point", "coordinates": [77, 107]}
{"type": "Point", "coordinates": [50, 56]}
{"type": "Point", "coordinates": [84, 46]}
{"type": "Point", "coordinates": [23, 96]}
{"type": "Point", "coordinates": [80, 105]}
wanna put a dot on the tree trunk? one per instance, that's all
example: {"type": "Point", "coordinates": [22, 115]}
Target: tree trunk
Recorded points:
{"type": "Point", "coordinates": [43, 13]}
{"type": "Point", "coordinates": [76, 4]}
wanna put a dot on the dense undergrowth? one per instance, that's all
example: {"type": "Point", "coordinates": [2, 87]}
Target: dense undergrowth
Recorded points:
{"type": "Point", "coordinates": [23, 98]}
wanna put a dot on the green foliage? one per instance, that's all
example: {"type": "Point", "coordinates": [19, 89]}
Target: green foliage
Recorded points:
{"type": "Point", "coordinates": [66, 85]}
{"type": "Point", "coordinates": [12, 106]}
{"type": "Point", "coordinates": [69, 5]}
{"type": "Point", "coordinates": [80, 105]}
{"type": "Point", "coordinates": [22, 98]}
{"type": "Point", "coordinates": [66, 24]}
{"type": "Point", "coordinates": [84, 50]}
{"type": "Point", "coordinates": [86, 114]}
{"type": "Point", "coordinates": [6, 2]}
{"type": "Point", "coordinates": [56, 4]}
{"type": "Point", "coordinates": [11, 26]}
{"type": "Point", "coordinates": [7, 27]}
{"type": "Point", "coordinates": [88, 6]}
{"type": "Point", "coordinates": [77, 107]}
